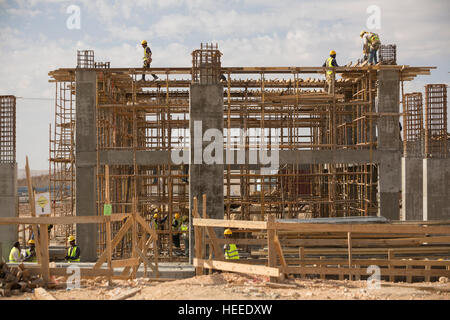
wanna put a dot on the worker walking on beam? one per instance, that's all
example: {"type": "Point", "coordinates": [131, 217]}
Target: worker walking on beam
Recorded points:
{"type": "Point", "coordinates": [15, 256]}
{"type": "Point", "coordinates": [330, 63]}
{"type": "Point", "coordinates": [370, 46]}
{"type": "Point", "coordinates": [73, 253]}
{"type": "Point", "coordinates": [147, 59]}
{"type": "Point", "coordinates": [230, 249]}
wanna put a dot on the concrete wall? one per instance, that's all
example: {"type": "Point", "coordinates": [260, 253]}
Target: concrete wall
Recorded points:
{"type": "Point", "coordinates": [412, 185]}
{"type": "Point", "coordinates": [436, 189]}
{"type": "Point", "coordinates": [85, 170]}
{"type": "Point", "coordinates": [206, 105]}
{"type": "Point", "coordinates": [388, 140]}
{"type": "Point", "coordinates": [8, 206]}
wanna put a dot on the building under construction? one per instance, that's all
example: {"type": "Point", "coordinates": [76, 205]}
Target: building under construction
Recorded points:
{"type": "Point", "coordinates": [311, 180]}
{"type": "Point", "coordinates": [337, 155]}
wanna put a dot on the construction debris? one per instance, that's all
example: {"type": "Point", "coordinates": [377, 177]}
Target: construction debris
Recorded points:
{"type": "Point", "coordinates": [14, 280]}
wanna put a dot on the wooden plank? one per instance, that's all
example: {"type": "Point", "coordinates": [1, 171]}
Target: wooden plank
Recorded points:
{"type": "Point", "coordinates": [124, 262]}
{"type": "Point", "coordinates": [349, 246]}
{"type": "Point", "coordinates": [33, 211]}
{"type": "Point", "coordinates": [62, 220]}
{"type": "Point", "coordinates": [279, 250]}
{"type": "Point", "coordinates": [362, 271]}
{"type": "Point", "coordinates": [127, 294]}
{"type": "Point", "coordinates": [42, 294]}
{"type": "Point", "coordinates": [123, 230]}
{"type": "Point", "coordinates": [145, 260]}
{"type": "Point", "coordinates": [198, 241]}
{"type": "Point", "coordinates": [212, 238]}
{"type": "Point", "coordinates": [145, 225]}
{"type": "Point", "coordinates": [230, 223]}
{"type": "Point", "coordinates": [390, 258]}
{"type": "Point", "coordinates": [272, 258]}
{"type": "Point", "coordinates": [44, 253]}
{"type": "Point", "coordinates": [355, 228]}
{"type": "Point", "coordinates": [237, 267]}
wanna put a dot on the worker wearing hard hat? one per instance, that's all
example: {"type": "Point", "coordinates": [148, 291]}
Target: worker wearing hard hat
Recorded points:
{"type": "Point", "coordinates": [330, 63]}
{"type": "Point", "coordinates": [15, 256]}
{"type": "Point", "coordinates": [147, 59]}
{"type": "Point", "coordinates": [158, 224]}
{"type": "Point", "coordinates": [185, 235]}
{"type": "Point", "coordinates": [370, 46]}
{"type": "Point", "coordinates": [176, 227]}
{"type": "Point", "coordinates": [73, 253]}
{"type": "Point", "coordinates": [230, 249]}
{"type": "Point", "coordinates": [30, 253]}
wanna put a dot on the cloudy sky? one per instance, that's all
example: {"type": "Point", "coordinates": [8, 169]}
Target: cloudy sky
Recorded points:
{"type": "Point", "coordinates": [35, 38]}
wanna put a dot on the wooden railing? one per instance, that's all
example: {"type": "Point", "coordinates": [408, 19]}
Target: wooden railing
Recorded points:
{"type": "Point", "coordinates": [277, 249]}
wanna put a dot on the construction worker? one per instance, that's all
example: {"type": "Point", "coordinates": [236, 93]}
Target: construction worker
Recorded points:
{"type": "Point", "coordinates": [330, 62]}
{"type": "Point", "coordinates": [158, 224]}
{"type": "Point", "coordinates": [15, 255]}
{"type": "Point", "coordinates": [185, 235]}
{"type": "Point", "coordinates": [370, 46]}
{"type": "Point", "coordinates": [176, 226]}
{"type": "Point", "coordinates": [147, 59]}
{"type": "Point", "coordinates": [73, 253]}
{"type": "Point", "coordinates": [30, 253]}
{"type": "Point", "coordinates": [230, 249]}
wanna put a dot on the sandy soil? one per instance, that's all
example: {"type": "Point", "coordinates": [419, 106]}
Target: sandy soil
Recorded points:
{"type": "Point", "coordinates": [230, 286]}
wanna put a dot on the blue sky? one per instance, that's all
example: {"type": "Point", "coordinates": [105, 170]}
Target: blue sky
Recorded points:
{"type": "Point", "coordinates": [34, 40]}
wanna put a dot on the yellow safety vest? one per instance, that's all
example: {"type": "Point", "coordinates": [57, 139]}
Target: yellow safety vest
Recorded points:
{"type": "Point", "coordinates": [184, 227]}
{"type": "Point", "coordinates": [146, 55]}
{"type": "Point", "coordinates": [29, 254]}
{"type": "Point", "coordinates": [178, 227]}
{"type": "Point", "coordinates": [374, 38]}
{"type": "Point", "coordinates": [11, 254]}
{"type": "Point", "coordinates": [232, 253]}
{"type": "Point", "coordinates": [329, 61]}
{"type": "Point", "coordinates": [71, 253]}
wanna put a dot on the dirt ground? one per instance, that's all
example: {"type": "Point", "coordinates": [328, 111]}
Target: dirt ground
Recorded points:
{"type": "Point", "coordinates": [232, 286]}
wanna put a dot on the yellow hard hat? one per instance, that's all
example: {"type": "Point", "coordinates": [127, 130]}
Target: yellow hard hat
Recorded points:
{"type": "Point", "coordinates": [362, 33]}
{"type": "Point", "coordinates": [71, 238]}
{"type": "Point", "coordinates": [177, 215]}
{"type": "Point", "coordinates": [332, 52]}
{"type": "Point", "coordinates": [31, 241]}
{"type": "Point", "coordinates": [155, 216]}
{"type": "Point", "coordinates": [144, 42]}
{"type": "Point", "coordinates": [227, 231]}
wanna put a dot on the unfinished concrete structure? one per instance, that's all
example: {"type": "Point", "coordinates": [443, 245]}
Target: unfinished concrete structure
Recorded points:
{"type": "Point", "coordinates": [339, 154]}
{"type": "Point", "coordinates": [425, 165]}
{"type": "Point", "coordinates": [8, 173]}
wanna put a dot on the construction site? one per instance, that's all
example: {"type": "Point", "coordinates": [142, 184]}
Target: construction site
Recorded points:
{"type": "Point", "coordinates": [328, 193]}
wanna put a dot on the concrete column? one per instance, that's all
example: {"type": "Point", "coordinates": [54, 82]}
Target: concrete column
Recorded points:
{"type": "Point", "coordinates": [205, 112]}
{"type": "Point", "coordinates": [412, 185]}
{"type": "Point", "coordinates": [8, 206]}
{"type": "Point", "coordinates": [436, 189]}
{"type": "Point", "coordinates": [86, 191]}
{"type": "Point", "coordinates": [388, 140]}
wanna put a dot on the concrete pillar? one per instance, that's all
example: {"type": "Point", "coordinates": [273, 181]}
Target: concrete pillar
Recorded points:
{"type": "Point", "coordinates": [205, 112]}
{"type": "Point", "coordinates": [8, 206]}
{"type": "Point", "coordinates": [388, 140]}
{"type": "Point", "coordinates": [85, 161]}
{"type": "Point", "coordinates": [412, 185]}
{"type": "Point", "coordinates": [436, 189]}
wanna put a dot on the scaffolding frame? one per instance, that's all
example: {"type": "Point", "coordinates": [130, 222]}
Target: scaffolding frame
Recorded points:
{"type": "Point", "coordinates": [436, 121]}
{"type": "Point", "coordinates": [287, 104]}
{"type": "Point", "coordinates": [7, 129]}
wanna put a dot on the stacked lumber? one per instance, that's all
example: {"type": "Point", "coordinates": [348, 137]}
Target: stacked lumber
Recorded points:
{"type": "Point", "coordinates": [14, 280]}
